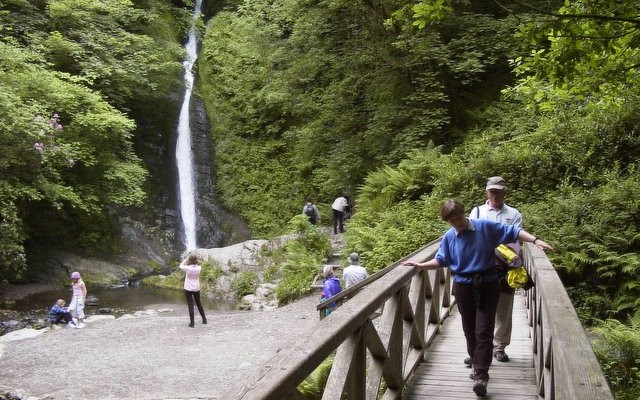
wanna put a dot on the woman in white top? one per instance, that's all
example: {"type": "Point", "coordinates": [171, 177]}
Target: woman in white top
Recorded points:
{"type": "Point", "coordinates": [192, 286]}
{"type": "Point", "coordinates": [76, 306]}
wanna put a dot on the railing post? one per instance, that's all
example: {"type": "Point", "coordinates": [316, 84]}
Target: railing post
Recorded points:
{"type": "Point", "coordinates": [565, 364]}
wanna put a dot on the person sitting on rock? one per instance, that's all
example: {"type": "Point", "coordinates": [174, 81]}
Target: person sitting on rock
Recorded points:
{"type": "Point", "coordinates": [60, 314]}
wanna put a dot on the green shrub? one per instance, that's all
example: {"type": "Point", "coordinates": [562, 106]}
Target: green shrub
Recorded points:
{"type": "Point", "coordinates": [210, 273]}
{"type": "Point", "coordinates": [245, 283]}
{"type": "Point", "coordinates": [313, 386]}
{"type": "Point", "coordinates": [618, 350]}
{"type": "Point", "coordinates": [302, 257]}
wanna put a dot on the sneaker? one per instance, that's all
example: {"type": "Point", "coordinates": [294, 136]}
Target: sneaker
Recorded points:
{"type": "Point", "coordinates": [500, 355]}
{"type": "Point", "coordinates": [191, 325]}
{"type": "Point", "coordinates": [468, 361]}
{"type": "Point", "coordinates": [204, 321]}
{"type": "Point", "coordinates": [80, 325]}
{"type": "Point", "coordinates": [480, 387]}
{"type": "Point", "coordinates": [71, 325]}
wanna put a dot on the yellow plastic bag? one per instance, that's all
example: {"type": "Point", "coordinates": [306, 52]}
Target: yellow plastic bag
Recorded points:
{"type": "Point", "coordinates": [506, 253]}
{"type": "Point", "coordinates": [519, 278]}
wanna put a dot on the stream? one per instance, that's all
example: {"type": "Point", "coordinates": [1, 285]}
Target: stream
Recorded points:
{"type": "Point", "coordinates": [115, 300]}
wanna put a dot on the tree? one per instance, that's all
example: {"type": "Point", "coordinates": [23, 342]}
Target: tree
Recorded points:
{"type": "Point", "coordinates": [65, 153]}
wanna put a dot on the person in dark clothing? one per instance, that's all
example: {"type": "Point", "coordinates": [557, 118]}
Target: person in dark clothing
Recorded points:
{"type": "Point", "coordinates": [312, 212]}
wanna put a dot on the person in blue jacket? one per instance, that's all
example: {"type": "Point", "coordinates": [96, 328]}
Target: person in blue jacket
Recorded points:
{"type": "Point", "coordinates": [59, 313]}
{"type": "Point", "coordinates": [468, 248]}
{"type": "Point", "coordinates": [330, 287]}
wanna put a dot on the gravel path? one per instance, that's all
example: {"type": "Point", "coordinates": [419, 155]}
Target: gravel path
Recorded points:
{"type": "Point", "coordinates": [152, 355]}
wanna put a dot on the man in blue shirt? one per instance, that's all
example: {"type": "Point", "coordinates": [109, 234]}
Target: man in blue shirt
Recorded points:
{"type": "Point", "coordinates": [468, 248]}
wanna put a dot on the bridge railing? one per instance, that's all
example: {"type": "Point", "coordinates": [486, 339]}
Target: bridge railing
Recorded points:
{"type": "Point", "coordinates": [346, 294]}
{"type": "Point", "coordinates": [566, 367]}
{"type": "Point", "coordinates": [371, 354]}
{"type": "Point", "coordinates": [380, 336]}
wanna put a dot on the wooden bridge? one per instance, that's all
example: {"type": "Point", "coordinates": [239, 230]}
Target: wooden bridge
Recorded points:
{"type": "Point", "coordinates": [399, 337]}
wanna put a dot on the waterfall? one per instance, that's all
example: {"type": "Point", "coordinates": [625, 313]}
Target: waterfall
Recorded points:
{"type": "Point", "coordinates": [184, 154]}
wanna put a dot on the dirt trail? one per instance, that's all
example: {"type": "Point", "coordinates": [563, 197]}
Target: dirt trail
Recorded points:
{"type": "Point", "coordinates": [151, 356]}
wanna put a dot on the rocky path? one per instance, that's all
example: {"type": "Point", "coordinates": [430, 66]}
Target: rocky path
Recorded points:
{"type": "Point", "coordinates": [152, 355]}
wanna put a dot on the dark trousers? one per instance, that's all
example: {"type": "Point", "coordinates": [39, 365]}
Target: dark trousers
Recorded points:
{"type": "Point", "coordinates": [478, 313]}
{"type": "Point", "coordinates": [191, 296]}
{"type": "Point", "coordinates": [338, 218]}
{"type": "Point", "coordinates": [65, 318]}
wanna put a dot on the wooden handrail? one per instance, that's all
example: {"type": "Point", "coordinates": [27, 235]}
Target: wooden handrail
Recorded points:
{"type": "Point", "coordinates": [339, 298]}
{"type": "Point", "coordinates": [566, 367]}
{"type": "Point", "coordinates": [367, 351]}
{"type": "Point", "coordinates": [371, 354]}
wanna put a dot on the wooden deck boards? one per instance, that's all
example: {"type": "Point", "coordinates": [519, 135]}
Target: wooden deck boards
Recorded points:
{"type": "Point", "coordinates": [443, 375]}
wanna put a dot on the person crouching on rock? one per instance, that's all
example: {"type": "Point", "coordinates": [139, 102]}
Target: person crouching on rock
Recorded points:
{"type": "Point", "coordinates": [192, 286]}
{"type": "Point", "coordinates": [59, 313]}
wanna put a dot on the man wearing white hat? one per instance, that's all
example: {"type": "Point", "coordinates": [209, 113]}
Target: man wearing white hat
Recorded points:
{"type": "Point", "coordinates": [355, 272]}
{"type": "Point", "coordinates": [496, 210]}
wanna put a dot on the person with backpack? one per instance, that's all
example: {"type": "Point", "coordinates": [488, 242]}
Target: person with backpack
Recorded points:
{"type": "Point", "coordinates": [496, 210]}
{"type": "Point", "coordinates": [312, 212]}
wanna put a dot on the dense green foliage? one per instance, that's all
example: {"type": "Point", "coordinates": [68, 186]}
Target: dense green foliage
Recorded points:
{"type": "Point", "coordinates": [306, 97]}
{"type": "Point", "coordinates": [301, 259]}
{"type": "Point", "coordinates": [71, 70]}
{"type": "Point", "coordinates": [618, 349]}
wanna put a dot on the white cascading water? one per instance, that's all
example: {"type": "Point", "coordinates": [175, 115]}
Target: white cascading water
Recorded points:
{"type": "Point", "coordinates": [184, 155]}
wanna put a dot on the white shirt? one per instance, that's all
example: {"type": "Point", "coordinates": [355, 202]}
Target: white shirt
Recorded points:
{"type": "Point", "coordinates": [354, 274]}
{"type": "Point", "coordinates": [340, 204]}
{"type": "Point", "coordinates": [506, 215]}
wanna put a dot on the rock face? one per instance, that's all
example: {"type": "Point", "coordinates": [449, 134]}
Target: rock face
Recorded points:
{"type": "Point", "coordinates": [245, 257]}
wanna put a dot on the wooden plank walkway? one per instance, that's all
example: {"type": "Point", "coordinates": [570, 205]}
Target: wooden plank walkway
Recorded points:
{"type": "Point", "coordinates": [443, 375]}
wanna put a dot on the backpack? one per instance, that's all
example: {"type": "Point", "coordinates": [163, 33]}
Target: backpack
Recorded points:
{"type": "Point", "coordinates": [310, 212]}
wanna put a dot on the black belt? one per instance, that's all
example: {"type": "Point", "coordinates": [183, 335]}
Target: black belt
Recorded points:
{"type": "Point", "coordinates": [492, 270]}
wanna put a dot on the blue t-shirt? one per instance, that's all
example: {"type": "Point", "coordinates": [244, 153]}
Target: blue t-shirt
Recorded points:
{"type": "Point", "coordinates": [473, 250]}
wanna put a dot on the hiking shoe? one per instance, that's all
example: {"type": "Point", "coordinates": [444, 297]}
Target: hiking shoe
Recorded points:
{"type": "Point", "coordinates": [468, 361]}
{"type": "Point", "coordinates": [500, 355]}
{"type": "Point", "coordinates": [480, 387]}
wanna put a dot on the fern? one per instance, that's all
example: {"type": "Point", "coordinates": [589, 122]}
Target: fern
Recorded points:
{"type": "Point", "coordinates": [617, 347]}
{"type": "Point", "coordinates": [313, 386]}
